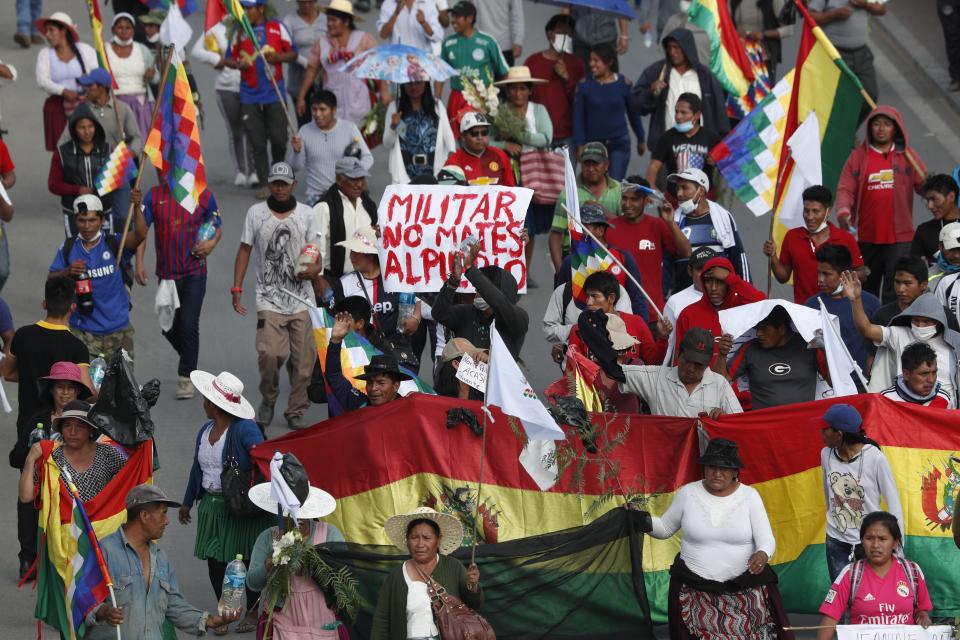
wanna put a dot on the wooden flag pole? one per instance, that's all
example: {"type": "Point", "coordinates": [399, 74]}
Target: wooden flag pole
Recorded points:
{"type": "Point", "coordinates": [483, 455]}
{"type": "Point", "coordinates": [167, 61]}
{"type": "Point", "coordinates": [619, 264]}
{"type": "Point", "coordinates": [773, 220]}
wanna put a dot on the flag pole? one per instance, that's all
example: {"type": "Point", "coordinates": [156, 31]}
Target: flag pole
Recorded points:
{"type": "Point", "coordinates": [485, 410]}
{"type": "Point", "coordinates": [75, 494]}
{"type": "Point", "coordinates": [619, 264]}
{"type": "Point", "coordinates": [773, 221]}
{"type": "Point", "coordinates": [168, 60]}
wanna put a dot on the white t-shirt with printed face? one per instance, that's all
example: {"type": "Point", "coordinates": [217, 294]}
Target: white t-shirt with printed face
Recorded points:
{"type": "Point", "coordinates": [277, 243]}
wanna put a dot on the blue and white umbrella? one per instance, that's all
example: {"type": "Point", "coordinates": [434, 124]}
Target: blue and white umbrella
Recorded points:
{"type": "Point", "coordinates": [399, 63]}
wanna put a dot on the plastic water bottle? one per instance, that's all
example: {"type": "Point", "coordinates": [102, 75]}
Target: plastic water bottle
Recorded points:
{"type": "Point", "coordinates": [207, 230]}
{"type": "Point", "coordinates": [98, 369]}
{"type": "Point", "coordinates": [308, 255]}
{"type": "Point", "coordinates": [234, 582]}
{"type": "Point", "coordinates": [408, 305]}
{"type": "Point", "coordinates": [38, 434]}
{"type": "Point", "coordinates": [648, 38]}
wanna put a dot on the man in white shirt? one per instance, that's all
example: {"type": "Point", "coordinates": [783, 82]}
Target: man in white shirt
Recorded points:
{"type": "Point", "coordinates": [682, 299]}
{"type": "Point", "coordinates": [345, 210]}
{"type": "Point", "coordinates": [686, 390]}
{"type": "Point", "coordinates": [279, 229]}
{"type": "Point", "coordinates": [411, 22]}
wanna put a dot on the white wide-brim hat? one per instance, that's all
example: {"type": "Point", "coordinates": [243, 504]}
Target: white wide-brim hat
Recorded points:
{"type": "Point", "coordinates": [225, 391]}
{"type": "Point", "coordinates": [319, 503]}
{"type": "Point", "coordinates": [364, 240]}
{"type": "Point", "coordinates": [451, 529]}
{"type": "Point", "coordinates": [342, 6]}
{"type": "Point", "coordinates": [60, 18]}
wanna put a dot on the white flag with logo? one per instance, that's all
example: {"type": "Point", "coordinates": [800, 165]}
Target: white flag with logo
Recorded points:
{"type": "Point", "coordinates": [804, 146]}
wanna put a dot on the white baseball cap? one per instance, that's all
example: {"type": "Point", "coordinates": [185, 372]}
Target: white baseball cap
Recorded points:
{"type": "Point", "coordinates": [473, 119]}
{"type": "Point", "coordinates": [691, 175]}
{"type": "Point", "coordinates": [87, 202]}
{"type": "Point", "coordinates": [950, 236]}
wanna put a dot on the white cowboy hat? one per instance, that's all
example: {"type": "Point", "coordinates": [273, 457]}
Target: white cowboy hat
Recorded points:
{"type": "Point", "coordinates": [61, 18]}
{"type": "Point", "coordinates": [318, 504]}
{"type": "Point", "coordinates": [364, 240]}
{"type": "Point", "coordinates": [225, 391]}
{"type": "Point", "coordinates": [342, 6]}
{"type": "Point", "coordinates": [520, 73]}
{"type": "Point", "coordinates": [451, 529]}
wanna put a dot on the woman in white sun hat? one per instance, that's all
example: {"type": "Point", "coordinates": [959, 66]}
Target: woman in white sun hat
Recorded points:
{"type": "Point", "coordinates": [305, 615]}
{"type": "Point", "coordinates": [403, 606]}
{"type": "Point", "coordinates": [229, 432]}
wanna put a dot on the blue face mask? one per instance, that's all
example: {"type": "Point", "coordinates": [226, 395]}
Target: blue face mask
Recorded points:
{"type": "Point", "coordinates": [684, 127]}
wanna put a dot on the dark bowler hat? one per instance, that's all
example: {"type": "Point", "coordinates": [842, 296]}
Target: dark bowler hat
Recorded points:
{"type": "Point", "coordinates": [381, 364]}
{"type": "Point", "coordinates": [721, 453]}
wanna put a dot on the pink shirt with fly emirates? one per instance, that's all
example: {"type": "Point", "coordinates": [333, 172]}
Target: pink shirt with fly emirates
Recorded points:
{"type": "Point", "coordinates": [886, 600]}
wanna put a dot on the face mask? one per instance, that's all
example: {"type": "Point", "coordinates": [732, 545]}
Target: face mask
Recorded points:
{"type": "Point", "coordinates": [155, 38]}
{"type": "Point", "coordinates": [687, 206]}
{"type": "Point", "coordinates": [684, 127]}
{"type": "Point", "coordinates": [685, 5]}
{"type": "Point", "coordinates": [562, 43]}
{"type": "Point", "coordinates": [823, 225]}
{"type": "Point", "coordinates": [123, 43]}
{"type": "Point", "coordinates": [923, 333]}
{"type": "Point", "coordinates": [480, 304]}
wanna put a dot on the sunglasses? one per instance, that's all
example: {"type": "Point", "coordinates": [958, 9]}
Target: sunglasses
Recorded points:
{"type": "Point", "coordinates": [478, 133]}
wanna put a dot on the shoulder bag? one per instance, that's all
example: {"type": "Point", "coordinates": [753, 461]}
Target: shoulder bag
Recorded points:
{"type": "Point", "coordinates": [235, 483]}
{"type": "Point", "coordinates": [455, 620]}
{"type": "Point", "coordinates": [542, 170]}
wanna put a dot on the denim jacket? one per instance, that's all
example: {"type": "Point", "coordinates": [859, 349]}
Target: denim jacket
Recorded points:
{"type": "Point", "coordinates": [144, 610]}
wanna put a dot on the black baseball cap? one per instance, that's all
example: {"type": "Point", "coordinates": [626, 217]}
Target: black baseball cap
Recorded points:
{"type": "Point", "coordinates": [697, 346]}
{"type": "Point", "coordinates": [701, 256]}
{"type": "Point", "coordinates": [464, 8]}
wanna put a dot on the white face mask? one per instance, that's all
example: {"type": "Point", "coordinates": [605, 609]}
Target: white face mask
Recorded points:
{"type": "Point", "coordinates": [685, 5]}
{"type": "Point", "coordinates": [923, 333]}
{"type": "Point", "coordinates": [154, 38]}
{"type": "Point", "coordinates": [687, 206]}
{"type": "Point", "coordinates": [562, 43]}
{"type": "Point", "coordinates": [823, 225]}
{"type": "Point", "coordinates": [122, 43]}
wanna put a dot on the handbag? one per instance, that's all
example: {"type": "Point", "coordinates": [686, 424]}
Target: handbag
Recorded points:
{"type": "Point", "coordinates": [455, 620]}
{"type": "Point", "coordinates": [542, 170]}
{"type": "Point", "coordinates": [235, 484]}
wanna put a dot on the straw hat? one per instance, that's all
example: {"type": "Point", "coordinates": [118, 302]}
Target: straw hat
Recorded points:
{"type": "Point", "coordinates": [342, 6]}
{"type": "Point", "coordinates": [319, 503]}
{"type": "Point", "coordinates": [520, 73]}
{"type": "Point", "coordinates": [60, 18]}
{"type": "Point", "coordinates": [225, 391]}
{"type": "Point", "coordinates": [364, 240]}
{"type": "Point", "coordinates": [451, 530]}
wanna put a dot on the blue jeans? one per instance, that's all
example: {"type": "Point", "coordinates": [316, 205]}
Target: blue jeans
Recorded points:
{"type": "Point", "coordinates": [838, 556]}
{"type": "Point", "coordinates": [27, 12]}
{"type": "Point", "coordinates": [184, 335]}
{"type": "Point", "coordinates": [619, 151]}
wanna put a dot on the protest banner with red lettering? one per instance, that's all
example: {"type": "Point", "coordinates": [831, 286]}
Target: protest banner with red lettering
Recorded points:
{"type": "Point", "coordinates": [893, 632]}
{"type": "Point", "coordinates": [422, 225]}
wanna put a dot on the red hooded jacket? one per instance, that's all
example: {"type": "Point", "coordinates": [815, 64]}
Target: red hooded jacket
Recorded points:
{"type": "Point", "coordinates": [702, 313]}
{"type": "Point", "coordinates": [906, 180]}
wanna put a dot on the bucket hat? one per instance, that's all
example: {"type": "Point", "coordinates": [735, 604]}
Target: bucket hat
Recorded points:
{"type": "Point", "coordinates": [723, 453]}
{"type": "Point", "coordinates": [63, 372]}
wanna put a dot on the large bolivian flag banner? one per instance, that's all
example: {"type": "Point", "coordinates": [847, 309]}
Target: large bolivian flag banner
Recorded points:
{"type": "Point", "coordinates": [391, 459]}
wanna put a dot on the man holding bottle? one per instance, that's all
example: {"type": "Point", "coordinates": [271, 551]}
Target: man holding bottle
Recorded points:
{"type": "Point", "coordinates": [102, 319]}
{"type": "Point", "coordinates": [183, 240]}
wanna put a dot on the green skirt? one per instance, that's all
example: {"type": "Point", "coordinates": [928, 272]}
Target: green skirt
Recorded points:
{"type": "Point", "coordinates": [221, 536]}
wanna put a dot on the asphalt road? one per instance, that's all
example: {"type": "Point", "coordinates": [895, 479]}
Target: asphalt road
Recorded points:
{"type": "Point", "coordinates": [227, 339]}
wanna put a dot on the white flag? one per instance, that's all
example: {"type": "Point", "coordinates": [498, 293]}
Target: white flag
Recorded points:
{"type": "Point", "coordinates": [805, 148]}
{"type": "Point", "coordinates": [175, 30]}
{"type": "Point", "coordinates": [532, 460]}
{"type": "Point", "coordinates": [570, 190]}
{"type": "Point", "coordinates": [841, 365]}
{"type": "Point", "coordinates": [508, 389]}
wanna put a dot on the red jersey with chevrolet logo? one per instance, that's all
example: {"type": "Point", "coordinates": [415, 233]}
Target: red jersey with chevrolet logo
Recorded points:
{"type": "Point", "coordinates": [492, 167]}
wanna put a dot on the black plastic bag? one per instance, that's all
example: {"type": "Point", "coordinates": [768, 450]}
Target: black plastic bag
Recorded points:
{"type": "Point", "coordinates": [293, 473]}
{"type": "Point", "coordinates": [122, 411]}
